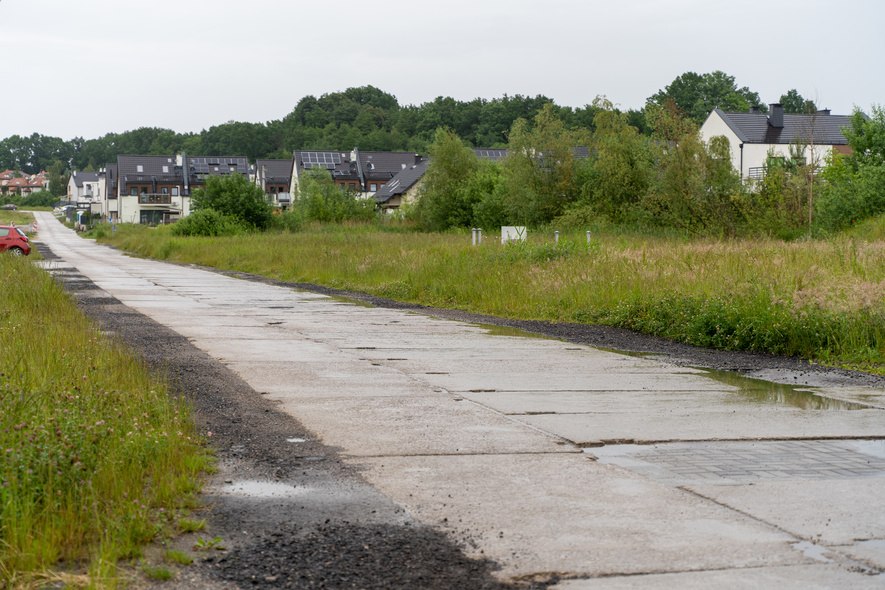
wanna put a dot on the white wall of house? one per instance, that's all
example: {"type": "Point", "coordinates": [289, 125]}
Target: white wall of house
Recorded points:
{"type": "Point", "coordinates": [130, 208]}
{"type": "Point", "coordinates": [715, 126]}
{"type": "Point", "coordinates": [751, 156]}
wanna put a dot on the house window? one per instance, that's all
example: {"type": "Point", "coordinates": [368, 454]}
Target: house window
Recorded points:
{"type": "Point", "coordinates": [164, 190]}
{"type": "Point", "coordinates": [139, 168]}
{"type": "Point", "coordinates": [373, 187]}
{"type": "Point", "coordinates": [166, 169]}
{"type": "Point", "coordinates": [233, 168]}
{"type": "Point", "coordinates": [174, 191]}
{"type": "Point", "coordinates": [133, 191]}
{"type": "Point", "coordinates": [144, 190]}
{"type": "Point", "coordinates": [352, 186]}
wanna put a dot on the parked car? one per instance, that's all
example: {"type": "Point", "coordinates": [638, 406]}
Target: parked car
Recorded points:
{"type": "Point", "coordinates": [14, 240]}
{"type": "Point", "coordinates": [10, 207]}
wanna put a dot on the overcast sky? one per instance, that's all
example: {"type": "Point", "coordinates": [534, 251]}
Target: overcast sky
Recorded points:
{"type": "Point", "coordinates": [89, 67]}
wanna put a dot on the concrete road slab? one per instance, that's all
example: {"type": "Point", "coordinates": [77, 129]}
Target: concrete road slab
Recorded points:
{"type": "Point", "coordinates": [292, 380]}
{"type": "Point", "coordinates": [863, 395]}
{"type": "Point", "coordinates": [258, 350]}
{"type": "Point", "coordinates": [467, 380]}
{"type": "Point", "coordinates": [729, 422]}
{"type": "Point", "coordinates": [564, 514]}
{"type": "Point", "coordinates": [830, 512]}
{"type": "Point", "coordinates": [387, 426]}
{"type": "Point", "coordinates": [868, 551]}
{"type": "Point", "coordinates": [817, 577]}
{"type": "Point", "coordinates": [594, 402]}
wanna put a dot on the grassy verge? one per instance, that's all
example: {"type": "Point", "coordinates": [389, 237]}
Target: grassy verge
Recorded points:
{"type": "Point", "coordinates": [95, 458]}
{"type": "Point", "coordinates": [822, 300]}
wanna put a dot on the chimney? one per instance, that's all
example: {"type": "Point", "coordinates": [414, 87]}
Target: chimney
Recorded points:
{"type": "Point", "coordinates": [776, 115]}
{"type": "Point", "coordinates": [755, 110]}
{"type": "Point", "coordinates": [417, 158]}
{"type": "Point", "coordinates": [824, 112]}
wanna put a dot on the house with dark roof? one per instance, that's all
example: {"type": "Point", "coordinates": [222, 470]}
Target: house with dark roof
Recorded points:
{"type": "Point", "coordinates": [157, 189]}
{"type": "Point", "coordinates": [753, 134]}
{"type": "Point", "coordinates": [274, 177]}
{"type": "Point", "coordinates": [402, 188]}
{"type": "Point", "coordinates": [361, 172]}
{"type": "Point", "coordinates": [83, 187]}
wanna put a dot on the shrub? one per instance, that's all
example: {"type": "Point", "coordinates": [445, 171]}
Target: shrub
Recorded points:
{"type": "Point", "coordinates": [208, 222]}
{"type": "Point", "coordinates": [234, 196]}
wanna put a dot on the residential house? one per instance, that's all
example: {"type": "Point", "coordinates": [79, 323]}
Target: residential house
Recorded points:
{"type": "Point", "coordinates": [274, 177]}
{"type": "Point", "coordinates": [158, 189]}
{"type": "Point", "coordinates": [402, 188]}
{"type": "Point", "coordinates": [361, 172]}
{"type": "Point", "coordinates": [83, 187]}
{"type": "Point", "coordinates": [753, 134]}
{"type": "Point", "coordinates": [14, 182]}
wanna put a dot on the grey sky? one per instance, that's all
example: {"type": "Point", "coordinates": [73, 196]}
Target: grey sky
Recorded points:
{"type": "Point", "coordinates": [89, 67]}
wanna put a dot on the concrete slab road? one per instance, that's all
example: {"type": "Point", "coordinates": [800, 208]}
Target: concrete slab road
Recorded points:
{"type": "Point", "coordinates": [602, 469]}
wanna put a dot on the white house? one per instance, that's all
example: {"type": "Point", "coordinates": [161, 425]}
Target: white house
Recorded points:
{"type": "Point", "coordinates": [752, 134]}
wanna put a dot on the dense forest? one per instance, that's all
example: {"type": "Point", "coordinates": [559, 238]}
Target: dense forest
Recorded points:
{"type": "Point", "coordinates": [370, 119]}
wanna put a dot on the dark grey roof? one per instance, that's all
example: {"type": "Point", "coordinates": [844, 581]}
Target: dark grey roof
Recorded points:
{"type": "Point", "coordinates": [757, 128]}
{"type": "Point", "coordinates": [153, 168]}
{"type": "Point", "coordinates": [165, 170]}
{"type": "Point", "coordinates": [402, 182]}
{"type": "Point", "coordinates": [80, 177]}
{"type": "Point", "coordinates": [386, 165]}
{"type": "Point", "coordinates": [279, 170]}
{"type": "Point", "coordinates": [338, 163]}
{"type": "Point", "coordinates": [218, 165]}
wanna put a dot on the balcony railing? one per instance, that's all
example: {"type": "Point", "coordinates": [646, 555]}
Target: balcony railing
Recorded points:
{"type": "Point", "coordinates": [154, 199]}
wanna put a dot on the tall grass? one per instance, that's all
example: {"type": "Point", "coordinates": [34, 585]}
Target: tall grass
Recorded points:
{"type": "Point", "coordinates": [95, 458]}
{"type": "Point", "coordinates": [821, 299]}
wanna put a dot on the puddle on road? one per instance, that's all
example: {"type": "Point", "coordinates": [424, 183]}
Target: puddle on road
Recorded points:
{"type": "Point", "coordinates": [494, 330]}
{"type": "Point", "coordinates": [351, 301]}
{"type": "Point", "coordinates": [816, 552]}
{"type": "Point", "coordinates": [759, 391]}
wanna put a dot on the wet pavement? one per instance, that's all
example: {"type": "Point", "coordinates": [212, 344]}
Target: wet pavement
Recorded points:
{"type": "Point", "coordinates": [556, 460]}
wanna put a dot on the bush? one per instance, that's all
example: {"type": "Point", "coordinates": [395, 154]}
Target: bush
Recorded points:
{"type": "Point", "coordinates": [208, 222]}
{"type": "Point", "coordinates": [291, 220]}
{"type": "Point", "coordinates": [234, 196]}
{"type": "Point", "coordinates": [321, 200]}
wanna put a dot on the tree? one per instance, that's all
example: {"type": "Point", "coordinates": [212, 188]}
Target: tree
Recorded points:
{"type": "Point", "coordinates": [234, 196]}
{"type": "Point", "coordinates": [58, 178]}
{"type": "Point", "coordinates": [620, 164]}
{"type": "Point", "coordinates": [540, 172]}
{"type": "Point", "coordinates": [445, 200]}
{"type": "Point", "coordinates": [793, 103]}
{"type": "Point", "coordinates": [696, 187]}
{"type": "Point", "coordinates": [866, 136]}
{"type": "Point", "coordinates": [696, 95]}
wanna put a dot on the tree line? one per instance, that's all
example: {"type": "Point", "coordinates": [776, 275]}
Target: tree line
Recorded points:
{"type": "Point", "coordinates": [372, 120]}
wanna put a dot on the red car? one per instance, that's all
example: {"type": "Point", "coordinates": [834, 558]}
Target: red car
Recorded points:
{"type": "Point", "coordinates": [14, 240]}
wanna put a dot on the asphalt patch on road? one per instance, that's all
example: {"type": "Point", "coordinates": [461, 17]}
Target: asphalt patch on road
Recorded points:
{"type": "Point", "coordinates": [330, 530]}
